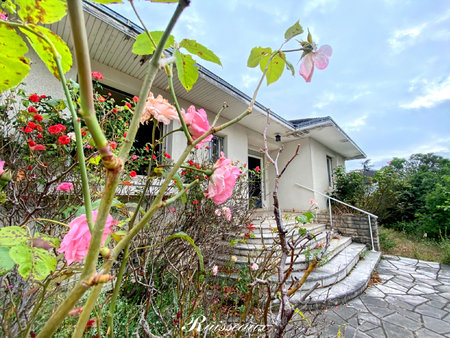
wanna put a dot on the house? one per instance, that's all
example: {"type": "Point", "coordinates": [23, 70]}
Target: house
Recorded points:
{"type": "Point", "coordinates": [323, 144]}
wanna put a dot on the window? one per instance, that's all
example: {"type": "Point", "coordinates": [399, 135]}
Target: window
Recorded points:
{"type": "Point", "coordinates": [216, 146]}
{"type": "Point", "coordinates": [145, 131]}
{"type": "Point", "coordinates": [330, 171]}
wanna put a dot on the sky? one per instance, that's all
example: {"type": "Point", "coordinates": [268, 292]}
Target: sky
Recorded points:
{"type": "Point", "coordinates": [388, 81]}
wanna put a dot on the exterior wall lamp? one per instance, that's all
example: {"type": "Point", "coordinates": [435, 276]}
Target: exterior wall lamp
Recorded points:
{"type": "Point", "coordinates": [277, 138]}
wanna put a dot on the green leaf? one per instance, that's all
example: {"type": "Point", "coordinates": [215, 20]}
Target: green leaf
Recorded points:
{"type": "Point", "coordinates": [186, 69]}
{"type": "Point", "coordinates": [275, 68]}
{"type": "Point", "coordinates": [198, 49]}
{"type": "Point", "coordinates": [44, 51]}
{"type": "Point", "coordinates": [233, 242]}
{"type": "Point", "coordinates": [143, 45]}
{"type": "Point", "coordinates": [43, 11]}
{"type": "Point", "coordinates": [95, 160]}
{"type": "Point", "coordinates": [34, 263]}
{"type": "Point", "coordinates": [294, 30]}
{"type": "Point", "coordinates": [180, 186]}
{"type": "Point", "coordinates": [290, 67]}
{"type": "Point", "coordinates": [186, 237]}
{"type": "Point", "coordinates": [52, 241]}
{"type": "Point", "coordinates": [309, 215]}
{"type": "Point", "coordinates": [14, 66]}
{"type": "Point", "coordinates": [6, 263]}
{"type": "Point", "coordinates": [9, 6]}
{"type": "Point", "coordinates": [256, 55]}
{"type": "Point", "coordinates": [301, 219]}
{"type": "Point", "coordinates": [13, 235]}
{"type": "Point", "coordinates": [302, 231]}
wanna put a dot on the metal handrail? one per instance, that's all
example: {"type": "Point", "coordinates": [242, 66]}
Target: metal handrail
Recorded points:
{"type": "Point", "coordinates": [346, 204]}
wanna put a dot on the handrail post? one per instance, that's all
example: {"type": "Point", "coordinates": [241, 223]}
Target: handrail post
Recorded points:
{"type": "Point", "coordinates": [371, 235]}
{"type": "Point", "coordinates": [331, 214]}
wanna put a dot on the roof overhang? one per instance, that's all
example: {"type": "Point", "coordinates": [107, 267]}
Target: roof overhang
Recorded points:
{"type": "Point", "coordinates": [327, 132]}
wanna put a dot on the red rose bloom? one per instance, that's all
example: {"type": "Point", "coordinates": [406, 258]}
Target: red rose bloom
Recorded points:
{"type": "Point", "coordinates": [28, 130]}
{"type": "Point", "coordinates": [56, 129]}
{"type": "Point", "coordinates": [133, 174]}
{"type": "Point", "coordinates": [34, 98]}
{"type": "Point", "coordinates": [32, 110]}
{"type": "Point", "coordinates": [135, 98]}
{"type": "Point", "coordinates": [38, 117]}
{"type": "Point", "coordinates": [167, 155]}
{"type": "Point", "coordinates": [113, 145]}
{"type": "Point", "coordinates": [97, 75]}
{"type": "Point", "coordinates": [38, 147]}
{"type": "Point", "coordinates": [40, 136]}
{"type": "Point", "coordinates": [31, 125]}
{"type": "Point", "coordinates": [101, 99]}
{"type": "Point", "coordinates": [128, 104]}
{"type": "Point", "coordinates": [64, 139]}
{"type": "Point", "coordinates": [38, 127]}
{"type": "Point", "coordinates": [43, 96]}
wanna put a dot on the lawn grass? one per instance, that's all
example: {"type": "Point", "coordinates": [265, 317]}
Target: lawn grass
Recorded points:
{"type": "Point", "coordinates": [400, 244]}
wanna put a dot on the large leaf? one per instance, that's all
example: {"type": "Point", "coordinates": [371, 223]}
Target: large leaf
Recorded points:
{"type": "Point", "coordinates": [43, 11]}
{"type": "Point", "coordinates": [186, 69]}
{"type": "Point", "coordinates": [34, 263]}
{"type": "Point", "coordinates": [14, 66]}
{"type": "Point", "coordinates": [44, 51]}
{"type": "Point", "coordinates": [256, 55]}
{"type": "Point", "coordinates": [198, 49]}
{"type": "Point", "coordinates": [143, 45]}
{"type": "Point", "coordinates": [6, 263]}
{"type": "Point", "coordinates": [12, 236]}
{"type": "Point", "coordinates": [275, 68]}
{"type": "Point", "coordinates": [294, 30]}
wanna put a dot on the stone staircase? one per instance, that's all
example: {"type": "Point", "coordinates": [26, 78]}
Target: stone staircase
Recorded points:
{"type": "Point", "coordinates": [344, 273]}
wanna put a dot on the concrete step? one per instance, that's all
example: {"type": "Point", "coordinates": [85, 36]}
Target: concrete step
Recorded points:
{"type": "Point", "coordinates": [271, 231]}
{"type": "Point", "coordinates": [257, 243]}
{"type": "Point", "coordinates": [348, 288]}
{"type": "Point", "coordinates": [334, 270]}
{"type": "Point", "coordinates": [302, 261]}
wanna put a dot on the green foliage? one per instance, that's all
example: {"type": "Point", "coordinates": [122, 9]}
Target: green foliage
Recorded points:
{"type": "Point", "coordinates": [256, 54]}
{"type": "Point", "coordinates": [198, 49]}
{"type": "Point", "coordinates": [43, 11]}
{"type": "Point", "coordinates": [412, 196]}
{"type": "Point", "coordinates": [275, 66]}
{"type": "Point", "coordinates": [14, 66]}
{"type": "Point", "coordinates": [294, 30]}
{"type": "Point", "coordinates": [44, 51]}
{"type": "Point", "coordinates": [187, 71]}
{"type": "Point", "coordinates": [6, 263]}
{"type": "Point", "coordinates": [29, 252]}
{"type": "Point", "coordinates": [144, 46]}
{"type": "Point", "coordinates": [35, 263]}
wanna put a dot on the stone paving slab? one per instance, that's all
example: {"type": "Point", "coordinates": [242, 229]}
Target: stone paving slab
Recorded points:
{"type": "Point", "coordinates": [412, 300]}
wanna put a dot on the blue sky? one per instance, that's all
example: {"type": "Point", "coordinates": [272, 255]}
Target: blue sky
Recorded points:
{"type": "Point", "coordinates": [388, 81]}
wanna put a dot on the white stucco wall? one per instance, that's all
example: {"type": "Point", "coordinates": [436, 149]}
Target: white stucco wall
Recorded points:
{"type": "Point", "coordinates": [319, 155]}
{"type": "Point", "coordinates": [291, 197]}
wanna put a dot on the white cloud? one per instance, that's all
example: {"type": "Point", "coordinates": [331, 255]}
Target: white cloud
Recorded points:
{"type": "Point", "coordinates": [249, 81]}
{"type": "Point", "coordinates": [434, 93]}
{"type": "Point", "coordinates": [322, 6]}
{"type": "Point", "coordinates": [356, 124]}
{"type": "Point", "coordinates": [404, 38]}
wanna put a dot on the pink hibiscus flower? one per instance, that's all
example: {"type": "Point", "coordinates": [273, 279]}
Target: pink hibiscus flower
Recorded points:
{"type": "Point", "coordinates": [75, 243]}
{"type": "Point", "coordinates": [317, 58]}
{"type": "Point", "coordinates": [197, 122]}
{"type": "Point", "coordinates": [222, 181]}
{"type": "Point", "coordinates": [160, 109]}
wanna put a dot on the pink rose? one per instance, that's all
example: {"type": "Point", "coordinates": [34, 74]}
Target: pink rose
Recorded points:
{"type": "Point", "coordinates": [215, 270]}
{"type": "Point", "coordinates": [159, 109]}
{"type": "Point", "coordinates": [254, 267]}
{"type": "Point", "coordinates": [227, 212]}
{"type": "Point", "coordinates": [2, 163]}
{"type": "Point", "coordinates": [197, 122]}
{"type": "Point", "coordinates": [315, 58]}
{"type": "Point", "coordinates": [3, 16]}
{"type": "Point", "coordinates": [222, 181]}
{"type": "Point", "coordinates": [75, 243]}
{"type": "Point", "coordinates": [65, 186]}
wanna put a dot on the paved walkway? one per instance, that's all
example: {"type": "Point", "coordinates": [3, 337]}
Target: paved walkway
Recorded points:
{"type": "Point", "coordinates": [412, 300]}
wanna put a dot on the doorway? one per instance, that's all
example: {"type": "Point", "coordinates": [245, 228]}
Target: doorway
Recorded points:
{"type": "Point", "coordinates": [254, 181]}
